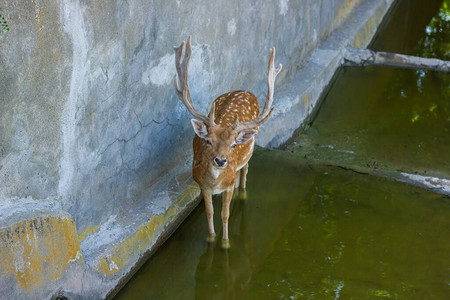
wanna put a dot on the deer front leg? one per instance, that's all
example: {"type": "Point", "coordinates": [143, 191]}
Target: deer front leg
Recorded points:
{"type": "Point", "coordinates": [226, 200]}
{"type": "Point", "coordinates": [209, 214]}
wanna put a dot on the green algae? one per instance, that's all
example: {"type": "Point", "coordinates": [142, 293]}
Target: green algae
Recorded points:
{"type": "Point", "coordinates": [383, 117]}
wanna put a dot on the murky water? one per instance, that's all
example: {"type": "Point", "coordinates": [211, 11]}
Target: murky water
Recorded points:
{"type": "Point", "coordinates": [417, 27]}
{"type": "Point", "coordinates": [309, 232]}
{"type": "Point", "coordinates": [383, 117]}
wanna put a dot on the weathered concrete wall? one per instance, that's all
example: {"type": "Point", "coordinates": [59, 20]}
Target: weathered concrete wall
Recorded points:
{"type": "Point", "coordinates": [35, 64]}
{"type": "Point", "coordinates": [90, 123]}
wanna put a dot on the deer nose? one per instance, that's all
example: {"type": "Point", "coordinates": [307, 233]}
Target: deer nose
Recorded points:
{"type": "Point", "coordinates": [220, 162]}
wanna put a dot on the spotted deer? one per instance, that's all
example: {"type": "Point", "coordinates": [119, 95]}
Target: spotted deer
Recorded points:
{"type": "Point", "coordinates": [224, 140]}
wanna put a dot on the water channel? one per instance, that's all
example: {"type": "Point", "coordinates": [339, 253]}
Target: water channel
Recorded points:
{"type": "Point", "coordinates": [311, 226]}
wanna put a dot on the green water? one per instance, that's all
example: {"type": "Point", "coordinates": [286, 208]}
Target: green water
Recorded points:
{"type": "Point", "coordinates": [383, 117]}
{"type": "Point", "coordinates": [416, 27]}
{"type": "Point", "coordinates": [309, 232]}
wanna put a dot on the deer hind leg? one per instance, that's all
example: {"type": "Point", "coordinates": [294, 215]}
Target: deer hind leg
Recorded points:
{"type": "Point", "coordinates": [243, 176]}
{"type": "Point", "coordinates": [226, 200]}
{"type": "Point", "coordinates": [238, 179]}
{"type": "Point", "coordinates": [209, 214]}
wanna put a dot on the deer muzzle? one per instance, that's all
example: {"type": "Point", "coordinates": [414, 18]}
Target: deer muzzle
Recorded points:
{"type": "Point", "coordinates": [220, 162]}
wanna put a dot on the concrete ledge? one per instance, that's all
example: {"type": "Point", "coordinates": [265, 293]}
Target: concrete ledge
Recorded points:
{"type": "Point", "coordinates": [363, 57]}
{"type": "Point", "coordinates": [296, 102]}
{"type": "Point", "coordinates": [42, 255]}
{"type": "Point", "coordinates": [438, 185]}
{"type": "Point", "coordinates": [39, 249]}
{"type": "Point", "coordinates": [114, 251]}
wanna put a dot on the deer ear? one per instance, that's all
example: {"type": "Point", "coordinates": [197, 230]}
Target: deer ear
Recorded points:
{"type": "Point", "coordinates": [244, 136]}
{"type": "Point", "coordinates": [200, 128]}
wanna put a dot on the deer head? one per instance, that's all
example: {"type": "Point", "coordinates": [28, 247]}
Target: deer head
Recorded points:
{"type": "Point", "coordinates": [221, 141]}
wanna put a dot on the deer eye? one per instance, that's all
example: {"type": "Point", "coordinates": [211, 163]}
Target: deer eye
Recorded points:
{"type": "Point", "coordinates": [208, 142]}
{"type": "Point", "coordinates": [233, 146]}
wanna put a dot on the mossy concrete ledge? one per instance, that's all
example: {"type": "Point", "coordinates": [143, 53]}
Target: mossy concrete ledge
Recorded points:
{"type": "Point", "coordinates": [115, 250]}
{"type": "Point", "coordinates": [39, 250]}
{"type": "Point", "coordinates": [42, 256]}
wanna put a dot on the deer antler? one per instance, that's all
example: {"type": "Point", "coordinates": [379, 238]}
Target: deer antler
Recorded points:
{"type": "Point", "coordinates": [183, 92]}
{"type": "Point", "coordinates": [265, 114]}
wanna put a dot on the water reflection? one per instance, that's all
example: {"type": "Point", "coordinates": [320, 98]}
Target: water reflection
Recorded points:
{"type": "Point", "coordinates": [436, 41]}
{"type": "Point", "coordinates": [219, 274]}
{"type": "Point", "coordinates": [416, 27]}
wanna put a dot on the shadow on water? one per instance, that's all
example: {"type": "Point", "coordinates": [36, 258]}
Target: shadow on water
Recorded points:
{"type": "Point", "coordinates": [308, 232]}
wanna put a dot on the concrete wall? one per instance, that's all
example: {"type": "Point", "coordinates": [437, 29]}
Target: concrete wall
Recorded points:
{"type": "Point", "coordinates": [89, 121]}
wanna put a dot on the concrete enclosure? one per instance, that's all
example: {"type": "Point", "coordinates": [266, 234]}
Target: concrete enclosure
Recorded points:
{"type": "Point", "coordinates": [94, 143]}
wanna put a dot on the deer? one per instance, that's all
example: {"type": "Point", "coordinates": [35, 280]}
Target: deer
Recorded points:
{"type": "Point", "coordinates": [224, 140]}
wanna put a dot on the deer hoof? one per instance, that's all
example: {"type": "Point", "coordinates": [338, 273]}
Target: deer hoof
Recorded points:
{"type": "Point", "coordinates": [211, 238]}
{"type": "Point", "coordinates": [226, 244]}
